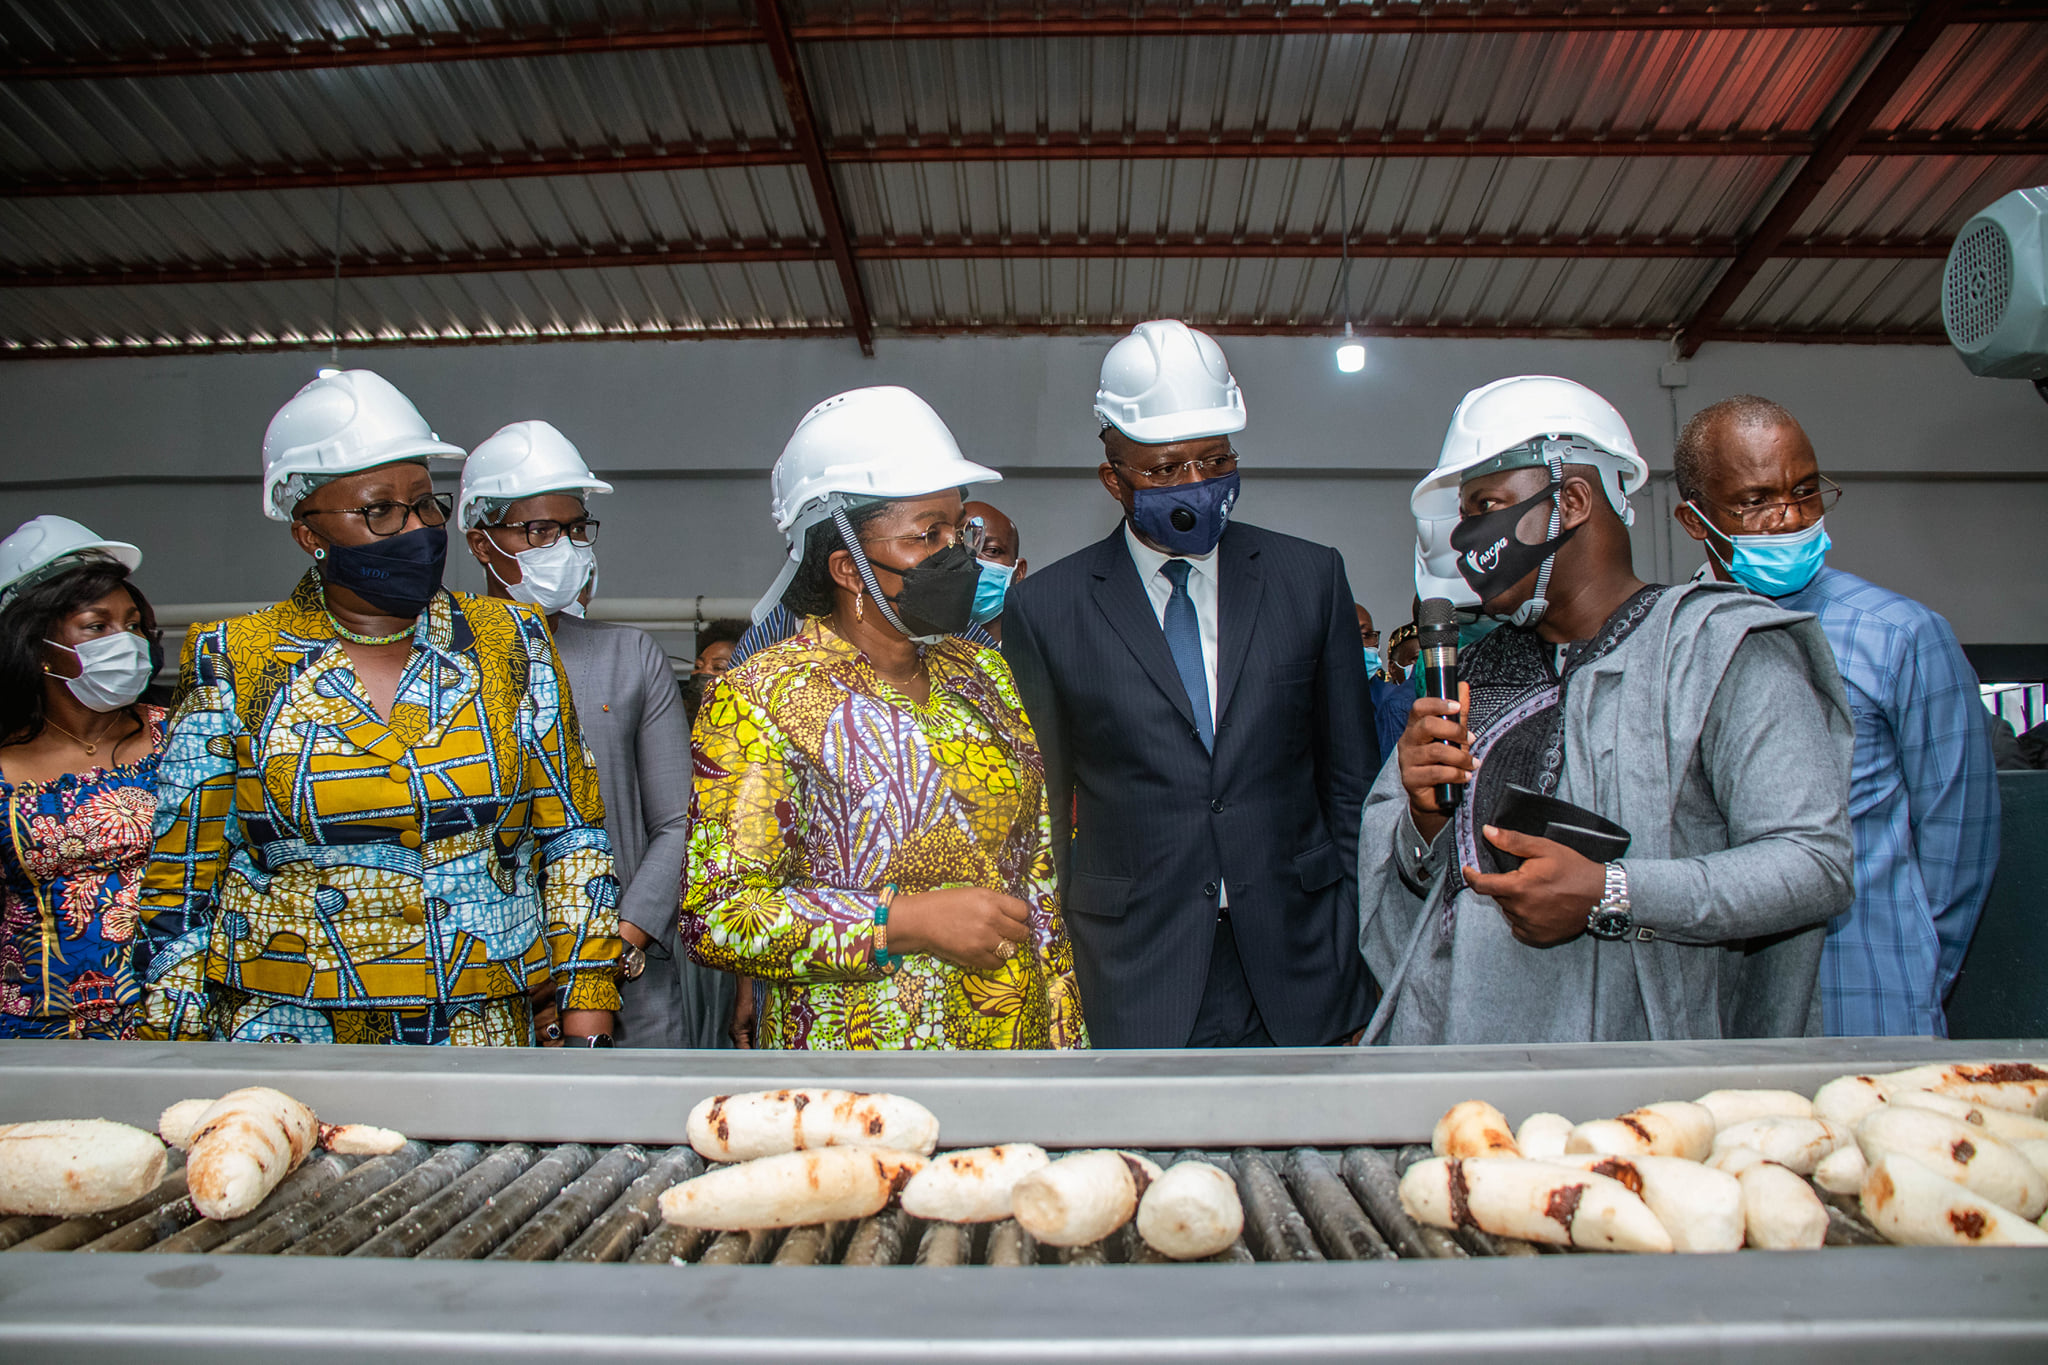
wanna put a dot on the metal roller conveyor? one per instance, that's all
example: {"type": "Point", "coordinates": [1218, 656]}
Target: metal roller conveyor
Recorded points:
{"type": "Point", "coordinates": [525, 1208]}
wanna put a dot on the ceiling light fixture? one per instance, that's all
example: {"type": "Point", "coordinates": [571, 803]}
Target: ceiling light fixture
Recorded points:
{"type": "Point", "coordinates": [1350, 355]}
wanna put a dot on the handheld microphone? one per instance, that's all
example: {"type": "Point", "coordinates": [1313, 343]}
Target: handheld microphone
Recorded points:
{"type": "Point", "coordinates": [1436, 638]}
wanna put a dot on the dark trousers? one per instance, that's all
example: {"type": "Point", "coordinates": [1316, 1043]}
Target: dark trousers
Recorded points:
{"type": "Point", "coordinates": [1228, 1016]}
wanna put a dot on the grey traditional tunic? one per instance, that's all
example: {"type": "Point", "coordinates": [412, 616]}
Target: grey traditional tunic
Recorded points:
{"type": "Point", "coordinates": [1717, 732]}
{"type": "Point", "coordinates": [632, 717]}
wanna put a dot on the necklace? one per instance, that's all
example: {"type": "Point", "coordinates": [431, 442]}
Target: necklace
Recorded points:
{"type": "Point", "coordinates": [91, 747]}
{"type": "Point", "coordinates": [345, 633]}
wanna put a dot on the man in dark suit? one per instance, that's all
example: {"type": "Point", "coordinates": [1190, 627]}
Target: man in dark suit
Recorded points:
{"type": "Point", "coordinates": [1198, 691]}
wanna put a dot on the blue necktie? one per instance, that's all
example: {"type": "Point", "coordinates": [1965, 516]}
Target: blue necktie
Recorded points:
{"type": "Point", "coordinates": [1184, 638]}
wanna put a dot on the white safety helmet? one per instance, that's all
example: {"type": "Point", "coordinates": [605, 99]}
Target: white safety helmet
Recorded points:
{"type": "Point", "coordinates": [40, 546]}
{"type": "Point", "coordinates": [342, 423]}
{"type": "Point", "coordinates": [522, 460]}
{"type": "Point", "coordinates": [858, 446]}
{"type": "Point", "coordinates": [1436, 564]}
{"type": "Point", "coordinates": [1168, 382]}
{"type": "Point", "coordinates": [1526, 420]}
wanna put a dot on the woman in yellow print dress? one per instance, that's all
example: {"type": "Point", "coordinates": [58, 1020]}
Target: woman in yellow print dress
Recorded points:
{"type": "Point", "coordinates": [870, 838]}
{"type": "Point", "coordinates": [377, 821]}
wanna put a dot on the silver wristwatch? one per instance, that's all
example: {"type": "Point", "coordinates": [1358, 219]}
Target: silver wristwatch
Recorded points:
{"type": "Point", "coordinates": [1610, 919]}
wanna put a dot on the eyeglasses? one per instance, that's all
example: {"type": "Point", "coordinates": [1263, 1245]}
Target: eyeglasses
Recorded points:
{"type": "Point", "coordinates": [939, 536]}
{"type": "Point", "coordinates": [1758, 518]}
{"type": "Point", "coordinates": [1180, 471]}
{"type": "Point", "coordinates": [543, 533]}
{"type": "Point", "coordinates": [389, 518]}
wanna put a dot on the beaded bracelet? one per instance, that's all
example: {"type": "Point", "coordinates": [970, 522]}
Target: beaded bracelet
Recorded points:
{"type": "Point", "coordinates": [885, 961]}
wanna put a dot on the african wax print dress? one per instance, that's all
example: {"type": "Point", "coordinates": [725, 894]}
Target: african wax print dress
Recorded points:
{"type": "Point", "coordinates": [818, 784]}
{"type": "Point", "coordinates": [323, 875]}
{"type": "Point", "coordinates": [72, 852]}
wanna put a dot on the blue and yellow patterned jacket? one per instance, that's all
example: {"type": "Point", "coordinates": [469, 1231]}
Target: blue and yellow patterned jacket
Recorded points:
{"type": "Point", "coordinates": [308, 851]}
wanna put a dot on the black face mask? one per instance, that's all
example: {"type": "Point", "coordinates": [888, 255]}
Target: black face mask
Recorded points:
{"type": "Point", "coordinates": [1491, 558]}
{"type": "Point", "coordinates": [937, 597]}
{"type": "Point", "coordinates": [399, 574]}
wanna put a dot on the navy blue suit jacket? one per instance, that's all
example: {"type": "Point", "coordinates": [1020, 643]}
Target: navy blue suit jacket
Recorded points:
{"type": "Point", "coordinates": [1161, 822]}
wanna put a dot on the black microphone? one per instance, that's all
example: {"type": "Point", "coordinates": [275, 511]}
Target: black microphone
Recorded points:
{"type": "Point", "coordinates": [1436, 638]}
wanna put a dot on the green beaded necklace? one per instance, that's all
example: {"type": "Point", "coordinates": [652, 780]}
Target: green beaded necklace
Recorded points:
{"type": "Point", "coordinates": [345, 633]}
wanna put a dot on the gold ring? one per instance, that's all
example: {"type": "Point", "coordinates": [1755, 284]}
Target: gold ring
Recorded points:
{"type": "Point", "coordinates": [1005, 950]}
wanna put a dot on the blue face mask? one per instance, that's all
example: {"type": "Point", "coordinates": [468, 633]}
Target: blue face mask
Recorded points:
{"type": "Point", "coordinates": [398, 574]}
{"type": "Point", "coordinates": [1774, 566]}
{"type": "Point", "coordinates": [991, 590]}
{"type": "Point", "coordinates": [1185, 518]}
{"type": "Point", "coordinates": [1372, 659]}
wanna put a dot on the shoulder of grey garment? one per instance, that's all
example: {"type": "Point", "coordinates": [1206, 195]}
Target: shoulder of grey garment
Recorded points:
{"type": "Point", "coordinates": [1761, 845]}
{"type": "Point", "coordinates": [659, 767]}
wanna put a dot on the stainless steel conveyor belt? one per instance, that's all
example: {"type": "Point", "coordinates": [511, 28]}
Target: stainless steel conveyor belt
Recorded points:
{"type": "Point", "coordinates": [520, 1221]}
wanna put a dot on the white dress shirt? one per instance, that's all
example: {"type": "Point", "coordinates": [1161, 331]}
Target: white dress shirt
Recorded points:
{"type": "Point", "coordinates": [1201, 588]}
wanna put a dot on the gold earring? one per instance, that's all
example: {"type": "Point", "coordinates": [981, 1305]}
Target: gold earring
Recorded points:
{"type": "Point", "coordinates": [858, 593]}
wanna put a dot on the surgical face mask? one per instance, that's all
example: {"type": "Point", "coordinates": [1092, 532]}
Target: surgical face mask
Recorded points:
{"type": "Point", "coordinates": [1493, 559]}
{"type": "Point", "coordinates": [990, 592]}
{"type": "Point", "coordinates": [937, 597]}
{"type": "Point", "coordinates": [112, 670]}
{"type": "Point", "coordinates": [1776, 565]}
{"type": "Point", "coordinates": [1372, 659]}
{"type": "Point", "coordinates": [398, 574]}
{"type": "Point", "coordinates": [552, 577]}
{"type": "Point", "coordinates": [1185, 518]}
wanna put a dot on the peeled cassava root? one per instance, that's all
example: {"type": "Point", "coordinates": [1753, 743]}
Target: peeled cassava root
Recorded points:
{"type": "Point", "coordinates": [1537, 1201]}
{"type": "Point", "coordinates": [972, 1186]}
{"type": "Point", "coordinates": [1730, 1107]}
{"type": "Point", "coordinates": [1956, 1151]}
{"type": "Point", "coordinates": [242, 1145]}
{"type": "Point", "coordinates": [1473, 1128]}
{"type": "Point", "coordinates": [180, 1122]}
{"type": "Point", "coordinates": [67, 1167]}
{"type": "Point", "coordinates": [771, 1122]}
{"type": "Point", "coordinates": [1796, 1144]}
{"type": "Point", "coordinates": [1190, 1212]}
{"type": "Point", "coordinates": [1701, 1208]}
{"type": "Point", "coordinates": [1913, 1206]}
{"type": "Point", "coordinates": [1780, 1212]}
{"type": "Point", "coordinates": [1543, 1136]}
{"type": "Point", "coordinates": [1082, 1198]}
{"type": "Point", "coordinates": [1669, 1128]}
{"type": "Point", "coordinates": [791, 1189]}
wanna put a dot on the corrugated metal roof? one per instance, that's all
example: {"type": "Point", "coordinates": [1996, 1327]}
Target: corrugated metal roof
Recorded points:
{"type": "Point", "coordinates": [945, 234]}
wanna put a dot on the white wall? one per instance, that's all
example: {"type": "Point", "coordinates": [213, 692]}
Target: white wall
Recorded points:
{"type": "Point", "coordinates": [1947, 474]}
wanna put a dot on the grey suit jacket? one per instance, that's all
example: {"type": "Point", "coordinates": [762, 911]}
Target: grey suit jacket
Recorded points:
{"type": "Point", "coordinates": [632, 718]}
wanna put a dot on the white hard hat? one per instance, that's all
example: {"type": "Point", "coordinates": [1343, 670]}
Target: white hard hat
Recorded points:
{"type": "Point", "coordinates": [1168, 382]}
{"type": "Point", "coordinates": [522, 460]}
{"type": "Point", "coordinates": [1436, 564]}
{"type": "Point", "coordinates": [342, 423]}
{"type": "Point", "coordinates": [1522, 421]}
{"type": "Point", "coordinates": [881, 442]}
{"type": "Point", "coordinates": [39, 546]}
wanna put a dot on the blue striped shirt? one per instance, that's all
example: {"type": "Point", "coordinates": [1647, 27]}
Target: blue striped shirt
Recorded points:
{"type": "Point", "coordinates": [1923, 803]}
{"type": "Point", "coordinates": [780, 623]}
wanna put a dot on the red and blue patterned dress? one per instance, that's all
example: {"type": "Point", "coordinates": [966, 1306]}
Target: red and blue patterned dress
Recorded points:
{"type": "Point", "coordinates": [72, 854]}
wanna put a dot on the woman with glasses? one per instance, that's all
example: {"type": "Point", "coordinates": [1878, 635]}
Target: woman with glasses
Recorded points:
{"type": "Point", "coordinates": [523, 511]}
{"type": "Point", "coordinates": [78, 768]}
{"type": "Point", "coordinates": [870, 838]}
{"type": "Point", "coordinates": [378, 820]}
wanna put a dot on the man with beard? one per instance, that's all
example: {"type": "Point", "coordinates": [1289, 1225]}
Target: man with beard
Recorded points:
{"type": "Point", "coordinates": [1696, 738]}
